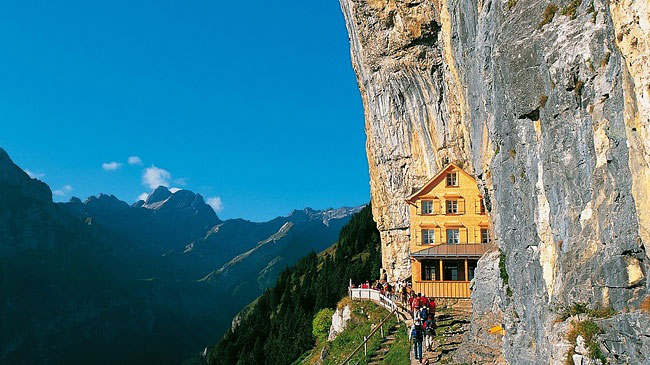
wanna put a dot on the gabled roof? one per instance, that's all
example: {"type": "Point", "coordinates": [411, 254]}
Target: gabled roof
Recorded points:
{"type": "Point", "coordinates": [412, 197]}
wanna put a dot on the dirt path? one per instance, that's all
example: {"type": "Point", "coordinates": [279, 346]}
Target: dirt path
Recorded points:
{"type": "Point", "coordinates": [452, 324]}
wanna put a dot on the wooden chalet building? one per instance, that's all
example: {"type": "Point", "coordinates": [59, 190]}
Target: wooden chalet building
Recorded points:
{"type": "Point", "coordinates": [449, 230]}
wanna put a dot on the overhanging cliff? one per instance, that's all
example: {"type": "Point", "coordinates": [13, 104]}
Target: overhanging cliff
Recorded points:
{"type": "Point", "coordinates": [548, 105]}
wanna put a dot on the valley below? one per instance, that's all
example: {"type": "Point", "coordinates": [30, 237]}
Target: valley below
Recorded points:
{"type": "Point", "coordinates": [102, 281]}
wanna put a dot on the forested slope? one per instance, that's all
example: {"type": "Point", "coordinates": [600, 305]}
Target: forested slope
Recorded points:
{"type": "Point", "coordinates": [277, 328]}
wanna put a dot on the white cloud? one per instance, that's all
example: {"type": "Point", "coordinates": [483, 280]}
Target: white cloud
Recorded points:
{"type": "Point", "coordinates": [181, 181]}
{"type": "Point", "coordinates": [111, 166]}
{"type": "Point", "coordinates": [34, 175]}
{"type": "Point", "coordinates": [143, 196]}
{"type": "Point", "coordinates": [154, 177]}
{"type": "Point", "coordinates": [134, 160]}
{"type": "Point", "coordinates": [173, 190]}
{"type": "Point", "coordinates": [65, 190]}
{"type": "Point", "coordinates": [215, 203]}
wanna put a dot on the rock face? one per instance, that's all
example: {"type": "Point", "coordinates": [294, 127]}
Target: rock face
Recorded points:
{"type": "Point", "coordinates": [340, 320]}
{"type": "Point", "coordinates": [548, 106]}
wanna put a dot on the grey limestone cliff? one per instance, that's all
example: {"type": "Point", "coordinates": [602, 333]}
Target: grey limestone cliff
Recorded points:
{"type": "Point", "coordinates": [547, 104]}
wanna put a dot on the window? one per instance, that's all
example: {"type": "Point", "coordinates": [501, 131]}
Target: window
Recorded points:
{"type": "Point", "coordinates": [428, 237]}
{"type": "Point", "coordinates": [482, 206]}
{"type": "Point", "coordinates": [452, 206]}
{"type": "Point", "coordinates": [452, 179]}
{"type": "Point", "coordinates": [471, 266]}
{"type": "Point", "coordinates": [485, 238]}
{"type": "Point", "coordinates": [427, 207]}
{"type": "Point", "coordinates": [452, 236]}
{"type": "Point", "coordinates": [453, 270]}
{"type": "Point", "coordinates": [430, 270]}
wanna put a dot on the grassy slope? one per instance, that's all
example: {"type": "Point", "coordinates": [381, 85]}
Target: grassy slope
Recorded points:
{"type": "Point", "coordinates": [364, 315]}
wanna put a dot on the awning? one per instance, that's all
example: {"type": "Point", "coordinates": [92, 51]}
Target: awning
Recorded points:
{"type": "Point", "coordinates": [447, 251]}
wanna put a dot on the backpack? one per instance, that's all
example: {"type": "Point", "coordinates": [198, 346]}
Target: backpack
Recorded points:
{"type": "Point", "coordinates": [430, 327]}
{"type": "Point", "coordinates": [424, 313]}
{"type": "Point", "coordinates": [417, 332]}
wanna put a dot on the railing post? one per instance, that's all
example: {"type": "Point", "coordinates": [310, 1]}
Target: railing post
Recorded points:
{"type": "Point", "coordinates": [365, 346]}
{"type": "Point", "coordinates": [382, 331]}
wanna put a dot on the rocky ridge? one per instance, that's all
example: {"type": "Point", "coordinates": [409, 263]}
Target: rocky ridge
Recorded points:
{"type": "Point", "coordinates": [547, 104]}
{"type": "Point", "coordinates": [101, 281]}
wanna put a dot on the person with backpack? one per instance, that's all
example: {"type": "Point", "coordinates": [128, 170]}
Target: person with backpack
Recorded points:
{"type": "Point", "coordinates": [415, 304]}
{"type": "Point", "coordinates": [424, 313]}
{"type": "Point", "coordinates": [416, 335]}
{"type": "Point", "coordinates": [424, 302]}
{"type": "Point", "coordinates": [430, 332]}
{"type": "Point", "coordinates": [432, 306]}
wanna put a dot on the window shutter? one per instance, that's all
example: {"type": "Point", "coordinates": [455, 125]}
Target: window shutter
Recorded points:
{"type": "Point", "coordinates": [418, 208]}
{"type": "Point", "coordinates": [477, 206]}
{"type": "Point", "coordinates": [461, 206]}
{"type": "Point", "coordinates": [436, 206]}
{"type": "Point", "coordinates": [463, 239]}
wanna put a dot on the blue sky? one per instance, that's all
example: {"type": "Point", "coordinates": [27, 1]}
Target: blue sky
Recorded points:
{"type": "Point", "coordinates": [254, 102]}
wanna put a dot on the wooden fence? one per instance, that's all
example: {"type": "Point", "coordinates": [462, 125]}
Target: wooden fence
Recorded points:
{"type": "Point", "coordinates": [379, 298]}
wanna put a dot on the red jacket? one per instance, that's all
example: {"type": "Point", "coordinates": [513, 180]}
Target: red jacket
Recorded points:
{"type": "Point", "coordinates": [424, 302]}
{"type": "Point", "coordinates": [432, 305]}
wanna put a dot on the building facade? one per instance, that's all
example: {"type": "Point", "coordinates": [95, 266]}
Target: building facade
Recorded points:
{"type": "Point", "coordinates": [449, 230]}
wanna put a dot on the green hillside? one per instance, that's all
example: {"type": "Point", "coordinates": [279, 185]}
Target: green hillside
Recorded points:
{"type": "Point", "coordinates": [393, 350]}
{"type": "Point", "coordinates": [277, 328]}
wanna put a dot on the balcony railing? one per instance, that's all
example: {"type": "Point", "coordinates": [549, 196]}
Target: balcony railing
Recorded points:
{"type": "Point", "coordinates": [443, 289]}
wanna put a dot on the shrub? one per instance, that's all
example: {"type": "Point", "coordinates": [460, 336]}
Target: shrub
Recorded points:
{"type": "Point", "coordinates": [578, 88]}
{"type": "Point", "coordinates": [321, 324]}
{"type": "Point", "coordinates": [512, 153]}
{"type": "Point", "coordinates": [588, 330]}
{"type": "Point", "coordinates": [645, 305]}
{"type": "Point", "coordinates": [602, 312]}
{"type": "Point", "coordinates": [542, 100]}
{"type": "Point", "coordinates": [511, 4]}
{"type": "Point", "coordinates": [570, 9]}
{"type": "Point", "coordinates": [549, 14]}
{"type": "Point", "coordinates": [582, 308]}
{"type": "Point", "coordinates": [503, 272]}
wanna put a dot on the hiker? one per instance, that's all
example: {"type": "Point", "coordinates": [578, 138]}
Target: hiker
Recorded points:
{"type": "Point", "coordinates": [424, 312]}
{"type": "Point", "coordinates": [415, 334]}
{"type": "Point", "coordinates": [430, 332]}
{"type": "Point", "coordinates": [415, 309]}
{"type": "Point", "coordinates": [424, 302]}
{"type": "Point", "coordinates": [416, 303]}
{"type": "Point", "coordinates": [432, 306]}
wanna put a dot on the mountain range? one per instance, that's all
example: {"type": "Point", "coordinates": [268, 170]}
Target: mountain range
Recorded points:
{"type": "Point", "coordinates": [102, 281]}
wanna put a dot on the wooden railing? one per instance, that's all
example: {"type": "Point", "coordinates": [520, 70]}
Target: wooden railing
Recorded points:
{"type": "Point", "coordinates": [379, 298]}
{"type": "Point", "coordinates": [364, 344]}
{"type": "Point", "coordinates": [443, 289]}
{"type": "Point", "coordinates": [374, 295]}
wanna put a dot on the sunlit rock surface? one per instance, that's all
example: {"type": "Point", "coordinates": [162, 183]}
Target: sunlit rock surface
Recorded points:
{"type": "Point", "coordinates": [549, 108]}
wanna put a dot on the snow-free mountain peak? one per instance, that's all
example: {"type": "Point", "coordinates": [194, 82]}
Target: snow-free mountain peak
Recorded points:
{"type": "Point", "coordinates": [160, 194]}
